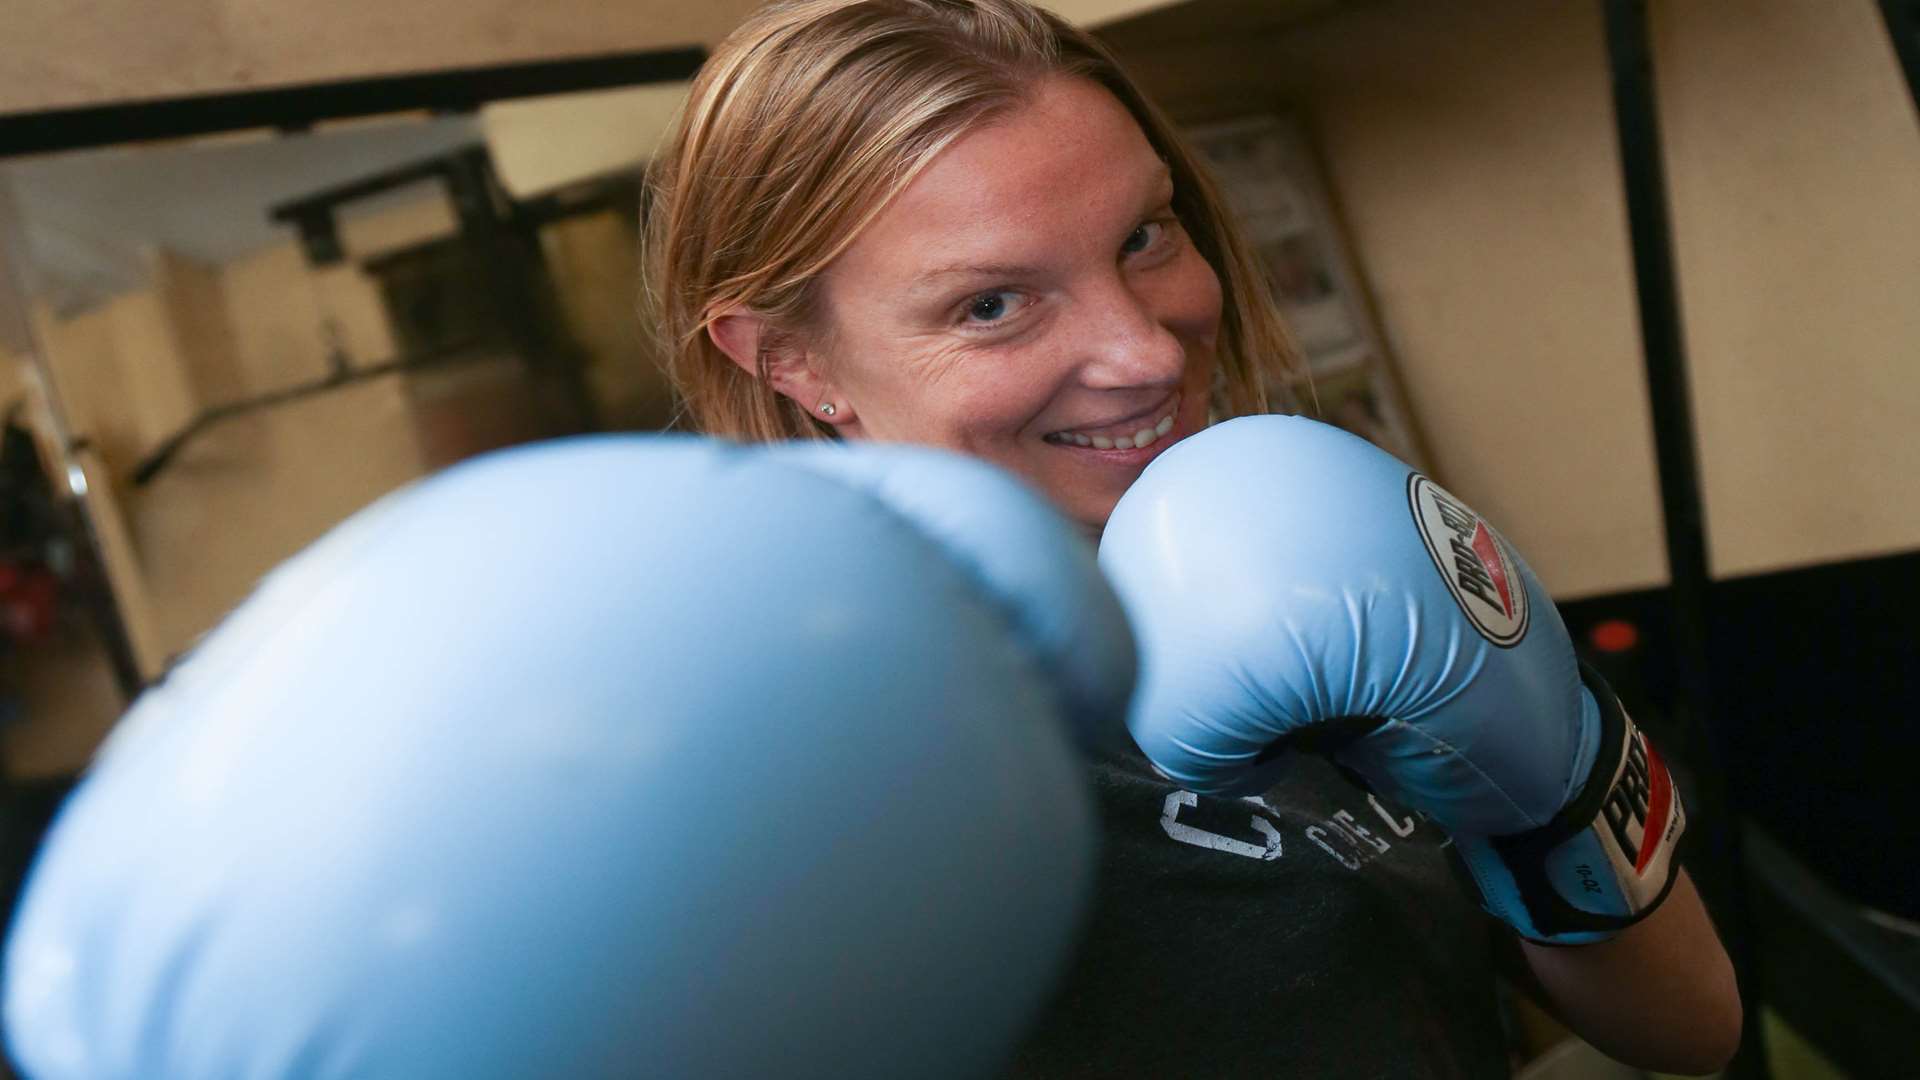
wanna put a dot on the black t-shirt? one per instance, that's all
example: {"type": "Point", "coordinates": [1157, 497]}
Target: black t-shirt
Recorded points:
{"type": "Point", "coordinates": [1314, 931]}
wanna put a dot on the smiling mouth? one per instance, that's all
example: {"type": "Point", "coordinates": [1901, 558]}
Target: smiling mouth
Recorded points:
{"type": "Point", "coordinates": [1127, 435]}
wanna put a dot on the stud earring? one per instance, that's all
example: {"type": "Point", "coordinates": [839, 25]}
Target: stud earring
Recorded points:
{"type": "Point", "coordinates": [828, 409]}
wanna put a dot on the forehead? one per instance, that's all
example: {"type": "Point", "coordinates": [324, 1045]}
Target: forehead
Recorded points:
{"type": "Point", "coordinates": [1068, 165]}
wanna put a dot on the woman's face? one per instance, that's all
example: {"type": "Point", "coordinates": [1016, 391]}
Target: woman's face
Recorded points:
{"type": "Point", "coordinates": [1029, 299]}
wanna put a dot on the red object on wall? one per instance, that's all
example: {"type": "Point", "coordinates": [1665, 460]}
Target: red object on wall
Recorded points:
{"type": "Point", "coordinates": [29, 596]}
{"type": "Point", "coordinates": [1613, 636]}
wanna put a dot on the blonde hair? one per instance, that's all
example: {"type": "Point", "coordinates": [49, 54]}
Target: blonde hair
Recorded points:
{"type": "Point", "coordinates": [811, 117]}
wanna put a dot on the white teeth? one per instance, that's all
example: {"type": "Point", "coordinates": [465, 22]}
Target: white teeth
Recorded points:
{"type": "Point", "coordinates": [1146, 436]}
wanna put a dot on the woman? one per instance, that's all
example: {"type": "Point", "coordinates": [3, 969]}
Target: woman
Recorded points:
{"type": "Point", "coordinates": [956, 222]}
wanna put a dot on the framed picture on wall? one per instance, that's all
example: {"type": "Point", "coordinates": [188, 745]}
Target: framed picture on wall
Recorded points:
{"type": "Point", "coordinates": [1272, 182]}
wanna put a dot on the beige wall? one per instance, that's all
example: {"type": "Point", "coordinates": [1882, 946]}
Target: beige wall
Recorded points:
{"type": "Point", "coordinates": [121, 376]}
{"type": "Point", "coordinates": [254, 489]}
{"type": "Point", "coordinates": [280, 308]}
{"type": "Point", "coordinates": [79, 353]}
{"type": "Point", "coordinates": [1794, 156]}
{"type": "Point", "coordinates": [150, 365]}
{"type": "Point", "coordinates": [242, 497]}
{"type": "Point", "coordinates": [539, 144]}
{"type": "Point", "coordinates": [194, 297]}
{"type": "Point", "coordinates": [275, 313]}
{"type": "Point", "coordinates": [1471, 149]}
{"type": "Point", "coordinates": [138, 367]}
{"type": "Point", "coordinates": [279, 312]}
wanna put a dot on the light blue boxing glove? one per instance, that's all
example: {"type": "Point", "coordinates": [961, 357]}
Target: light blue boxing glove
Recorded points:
{"type": "Point", "coordinates": [618, 756]}
{"type": "Point", "coordinates": [1293, 587]}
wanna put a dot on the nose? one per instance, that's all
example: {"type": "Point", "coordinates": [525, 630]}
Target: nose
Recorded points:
{"type": "Point", "coordinates": [1124, 342]}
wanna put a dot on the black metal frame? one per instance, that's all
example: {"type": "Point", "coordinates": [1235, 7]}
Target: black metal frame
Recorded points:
{"type": "Point", "coordinates": [1718, 861]}
{"type": "Point", "coordinates": [296, 108]}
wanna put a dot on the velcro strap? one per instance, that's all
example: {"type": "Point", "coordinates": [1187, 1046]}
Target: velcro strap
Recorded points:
{"type": "Point", "coordinates": [1640, 823]}
{"type": "Point", "coordinates": [1607, 860]}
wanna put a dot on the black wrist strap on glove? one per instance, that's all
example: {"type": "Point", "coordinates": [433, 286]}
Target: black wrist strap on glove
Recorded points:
{"type": "Point", "coordinates": [1606, 861]}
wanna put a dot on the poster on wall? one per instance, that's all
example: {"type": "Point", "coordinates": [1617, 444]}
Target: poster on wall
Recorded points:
{"type": "Point", "coordinates": [1271, 182]}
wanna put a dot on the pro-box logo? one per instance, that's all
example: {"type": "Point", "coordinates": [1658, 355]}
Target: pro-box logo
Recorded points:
{"type": "Point", "coordinates": [1640, 823]}
{"type": "Point", "coordinates": [1472, 560]}
{"type": "Point", "coordinates": [1640, 803]}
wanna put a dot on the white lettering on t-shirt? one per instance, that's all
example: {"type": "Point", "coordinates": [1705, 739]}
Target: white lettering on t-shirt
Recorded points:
{"type": "Point", "coordinates": [1402, 828]}
{"type": "Point", "coordinates": [1187, 834]}
{"type": "Point", "coordinates": [1319, 836]}
{"type": "Point", "coordinates": [1359, 832]}
{"type": "Point", "coordinates": [1363, 846]}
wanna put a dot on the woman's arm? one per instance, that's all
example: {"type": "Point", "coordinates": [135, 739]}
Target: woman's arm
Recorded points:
{"type": "Point", "coordinates": [1659, 996]}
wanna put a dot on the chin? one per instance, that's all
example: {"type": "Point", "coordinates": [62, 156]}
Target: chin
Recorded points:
{"type": "Point", "coordinates": [1089, 505]}
{"type": "Point", "coordinates": [1093, 524]}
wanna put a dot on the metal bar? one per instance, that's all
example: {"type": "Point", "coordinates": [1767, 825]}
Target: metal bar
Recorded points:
{"type": "Point", "coordinates": [17, 334]}
{"type": "Point", "coordinates": [1718, 861]}
{"type": "Point", "coordinates": [296, 107]}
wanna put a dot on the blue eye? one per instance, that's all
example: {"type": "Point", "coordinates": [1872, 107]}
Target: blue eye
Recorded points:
{"type": "Point", "coordinates": [988, 307]}
{"type": "Point", "coordinates": [993, 312]}
{"type": "Point", "coordinates": [1142, 238]}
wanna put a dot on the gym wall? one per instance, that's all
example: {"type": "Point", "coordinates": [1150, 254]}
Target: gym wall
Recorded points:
{"type": "Point", "coordinates": [1472, 153]}
{"type": "Point", "coordinates": [134, 366]}
{"type": "Point", "coordinates": [135, 369]}
{"type": "Point", "coordinates": [1794, 152]}
{"type": "Point", "coordinates": [1471, 150]}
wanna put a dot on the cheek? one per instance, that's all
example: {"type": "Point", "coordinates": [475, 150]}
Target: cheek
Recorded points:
{"type": "Point", "coordinates": [1197, 308]}
{"type": "Point", "coordinates": [905, 387]}
{"type": "Point", "coordinates": [999, 408]}
{"type": "Point", "coordinates": [1186, 301]}
{"type": "Point", "coordinates": [964, 400]}
{"type": "Point", "coordinates": [1189, 307]}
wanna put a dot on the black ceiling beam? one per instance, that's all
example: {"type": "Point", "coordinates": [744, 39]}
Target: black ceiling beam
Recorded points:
{"type": "Point", "coordinates": [300, 107]}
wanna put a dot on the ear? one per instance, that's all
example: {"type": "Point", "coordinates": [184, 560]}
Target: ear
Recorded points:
{"type": "Point", "coordinates": [744, 337]}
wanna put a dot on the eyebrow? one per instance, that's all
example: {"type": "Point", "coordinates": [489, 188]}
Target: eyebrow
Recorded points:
{"type": "Point", "coordinates": [1162, 179]}
{"type": "Point", "coordinates": [999, 270]}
